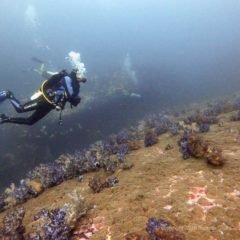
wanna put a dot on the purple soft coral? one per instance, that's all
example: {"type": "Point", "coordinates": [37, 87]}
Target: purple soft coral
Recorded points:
{"type": "Point", "coordinates": [122, 136]}
{"type": "Point", "coordinates": [122, 151]}
{"type": "Point", "coordinates": [150, 139]}
{"type": "Point", "coordinates": [2, 203]}
{"type": "Point", "coordinates": [55, 226]}
{"type": "Point", "coordinates": [163, 230]}
{"type": "Point", "coordinates": [183, 144]}
{"type": "Point", "coordinates": [12, 225]}
{"type": "Point", "coordinates": [154, 224]}
{"type": "Point", "coordinates": [204, 127]}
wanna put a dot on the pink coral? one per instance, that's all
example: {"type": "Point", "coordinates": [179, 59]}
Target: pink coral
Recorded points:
{"type": "Point", "coordinates": [199, 193]}
{"type": "Point", "coordinates": [86, 231]}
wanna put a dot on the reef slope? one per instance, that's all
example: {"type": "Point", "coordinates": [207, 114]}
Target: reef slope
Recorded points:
{"type": "Point", "coordinates": [200, 200]}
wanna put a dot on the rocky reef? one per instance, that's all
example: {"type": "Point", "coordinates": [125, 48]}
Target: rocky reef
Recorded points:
{"type": "Point", "coordinates": [12, 225]}
{"type": "Point", "coordinates": [56, 223]}
{"type": "Point", "coordinates": [193, 145]}
{"type": "Point", "coordinates": [153, 146]}
{"type": "Point", "coordinates": [163, 230]}
{"type": "Point", "coordinates": [97, 184]}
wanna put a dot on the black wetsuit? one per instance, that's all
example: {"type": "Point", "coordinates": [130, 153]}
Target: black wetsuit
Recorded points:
{"type": "Point", "coordinates": [59, 89]}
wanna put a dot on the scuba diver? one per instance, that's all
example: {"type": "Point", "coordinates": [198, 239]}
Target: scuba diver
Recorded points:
{"type": "Point", "coordinates": [54, 93]}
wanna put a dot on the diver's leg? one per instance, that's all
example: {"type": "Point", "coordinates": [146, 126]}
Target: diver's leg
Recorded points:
{"type": "Point", "coordinates": [20, 108]}
{"type": "Point", "coordinates": [41, 112]}
{"type": "Point", "coordinates": [28, 106]}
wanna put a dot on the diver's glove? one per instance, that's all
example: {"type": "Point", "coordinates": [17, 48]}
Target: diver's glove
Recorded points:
{"type": "Point", "coordinates": [75, 101]}
{"type": "Point", "coordinates": [83, 80]}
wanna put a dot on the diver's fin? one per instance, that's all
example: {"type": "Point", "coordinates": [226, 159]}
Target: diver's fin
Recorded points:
{"type": "Point", "coordinates": [37, 60]}
{"type": "Point", "coordinates": [42, 67]}
{"type": "Point", "coordinates": [3, 118]}
{"type": "Point", "coordinates": [3, 96]}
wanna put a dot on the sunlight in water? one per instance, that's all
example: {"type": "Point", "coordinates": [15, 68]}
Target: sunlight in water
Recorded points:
{"type": "Point", "coordinates": [127, 68]}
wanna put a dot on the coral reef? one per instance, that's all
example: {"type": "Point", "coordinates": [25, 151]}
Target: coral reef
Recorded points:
{"type": "Point", "coordinates": [111, 152]}
{"type": "Point", "coordinates": [2, 202]}
{"type": "Point", "coordinates": [12, 225]}
{"type": "Point", "coordinates": [51, 224]}
{"type": "Point", "coordinates": [122, 151]}
{"type": "Point", "coordinates": [47, 224]}
{"type": "Point", "coordinates": [48, 175]}
{"type": "Point", "coordinates": [87, 228]}
{"type": "Point", "coordinates": [157, 230]}
{"type": "Point", "coordinates": [134, 145]}
{"type": "Point", "coordinates": [168, 147]}
{"type": "Point", "coordinates": [192, 145]}
{"type": "Point", "coordinates": [201, 118]}
{"type": "Point", "coordinates": [235, 117]}
{"type": "Point", "coordinates": [198, 196]}
{"type": "Point", "coordinates": [17, 194]}
{"type": "Point", "coordinates": [163, 230]}
{"type": "Point", "coordinates": [134, 236]}
{"type": "Point", "coordinates": [219, 106]}
{"type": "Point", "coordinates": [108, 154]}
{"type": "Point", "coordinates": [97, 184]}
{"type": "Point", "coordinates": [204, 127]}
{"type": "Point", "coordinates": [236, 104]}
{"type": "Point", "coordinates": [150, 138]}
{"type": "Point", "coordinates": [195, 145]}
{"type": "Point", "coordinates": [123, 136]}
{"type": "Point", "coordinates": [184, 146]}
{"type": "Point", "coordinates": [214, 155]}
{"type": "Point", "coordinates": [161, 123]}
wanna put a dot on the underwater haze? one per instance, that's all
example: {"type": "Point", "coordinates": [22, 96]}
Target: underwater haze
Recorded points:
{"type": "Point", "coordinates": [163, 52]}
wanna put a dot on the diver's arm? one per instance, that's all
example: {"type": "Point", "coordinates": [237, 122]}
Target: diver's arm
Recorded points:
{"type": "Point", "coordinates": [47, 74]}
